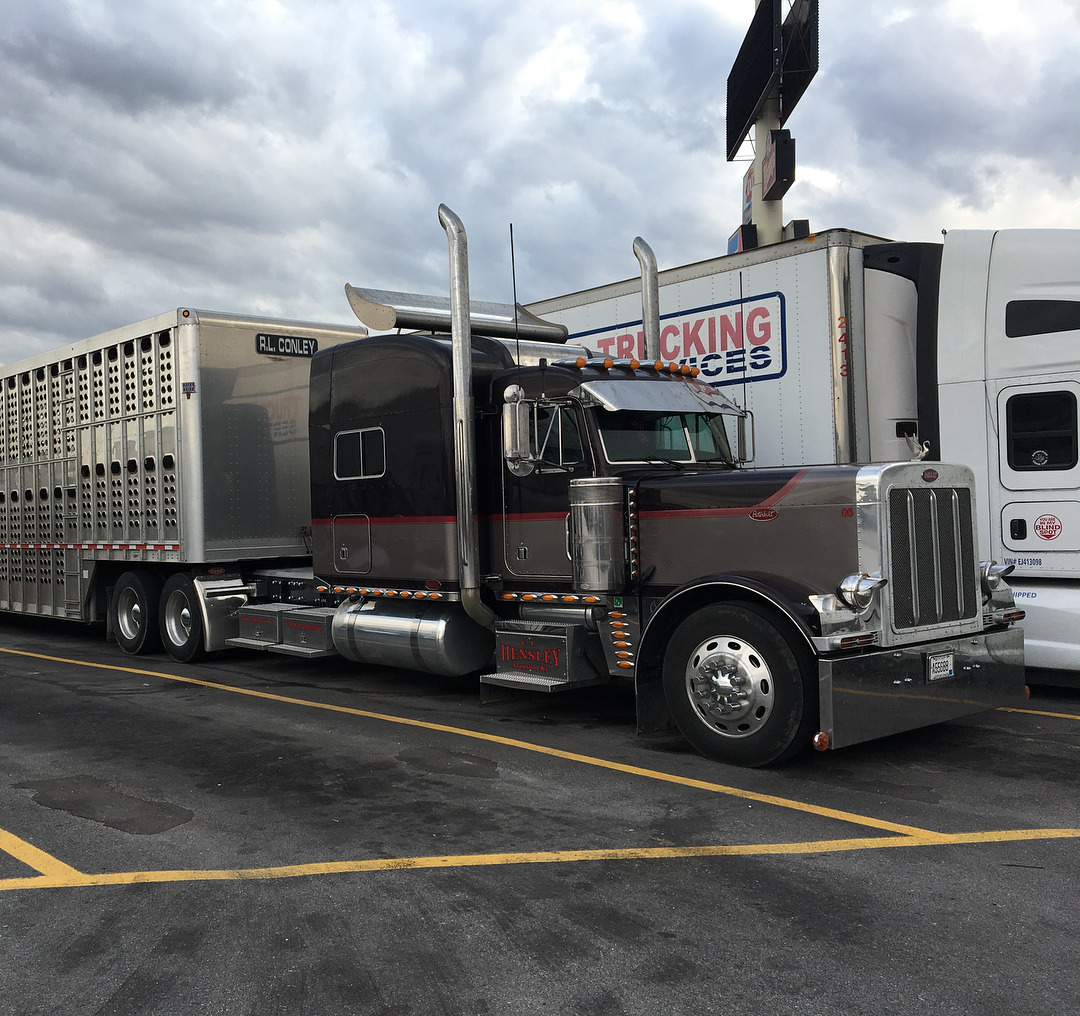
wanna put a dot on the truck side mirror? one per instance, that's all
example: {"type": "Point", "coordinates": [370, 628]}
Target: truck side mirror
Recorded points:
{"type": "Point", "coordinates": [516, 421]}
{"type": "Point", "coordinates": [746, 448]}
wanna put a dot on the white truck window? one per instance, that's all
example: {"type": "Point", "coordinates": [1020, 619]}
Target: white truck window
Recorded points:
{"type": "Point", "coordinates": [1041, 317]}
{"type": "Point", "coordinates": [1041, 430]}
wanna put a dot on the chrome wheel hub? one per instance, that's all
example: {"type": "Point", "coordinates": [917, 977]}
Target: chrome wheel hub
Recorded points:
{"type": "Point", "coordinates": [729, 685]}
{"type": "Point", "coordinates": [178, 618]}
{"type": "Point", "coordinates": [129, 614]}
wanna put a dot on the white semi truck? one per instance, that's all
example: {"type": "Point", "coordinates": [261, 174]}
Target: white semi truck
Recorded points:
{"type": "Point", "coordinates": [847, 347]}
{"type": "Point", "coordinates": [479, 496]}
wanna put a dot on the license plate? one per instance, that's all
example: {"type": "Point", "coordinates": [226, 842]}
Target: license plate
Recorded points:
{"type": "Point", "coordinates": [940, 666]}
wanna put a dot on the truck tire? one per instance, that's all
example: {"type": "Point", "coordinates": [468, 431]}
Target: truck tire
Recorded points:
{"type": "Point", "coordinates": [738, 689]}
{"type": "Point", "coordinates": [181, 620]}
{"type": "Point", "coordinates": [133, 612]}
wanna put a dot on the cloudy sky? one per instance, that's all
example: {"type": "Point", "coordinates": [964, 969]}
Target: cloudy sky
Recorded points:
{"type": "Point", "coordinates": [255, 155]}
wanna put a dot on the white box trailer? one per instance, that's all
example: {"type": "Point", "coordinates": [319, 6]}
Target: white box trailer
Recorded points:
{"type": "Point", "coordinates": [848, 347]}
{"type": "Point", "coordinates": [179, 440]}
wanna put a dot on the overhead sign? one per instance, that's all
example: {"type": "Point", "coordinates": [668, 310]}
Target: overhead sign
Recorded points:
{"type": "Point", "coordinates": [744, 238]}
{"type": "Point", "coordinates": [776, 59]}
{"type": "Point", "coordinates": [778, 165]}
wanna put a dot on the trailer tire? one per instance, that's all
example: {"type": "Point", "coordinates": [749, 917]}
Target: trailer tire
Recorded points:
{"type": "Point", "coordinates": [739, 689]}
{"type": "Point", "coordinates": [181, 620]}
{"type": "Point", "coordinates": [133, 612]}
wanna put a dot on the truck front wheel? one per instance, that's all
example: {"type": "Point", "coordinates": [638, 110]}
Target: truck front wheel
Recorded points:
{"type": "Point", "coordinates": [133, 612]}
{"type": "Point", "coordinates": [181, 620]}
{"type": "Point", "coordinates": [737, 688]}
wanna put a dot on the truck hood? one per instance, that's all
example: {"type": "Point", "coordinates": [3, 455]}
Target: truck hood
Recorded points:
{"type": "Point", "coordinates": [744, 491]}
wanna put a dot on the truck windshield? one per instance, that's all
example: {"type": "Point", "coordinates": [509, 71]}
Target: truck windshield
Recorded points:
{"type": "Point", "coordinates": [637, 436]}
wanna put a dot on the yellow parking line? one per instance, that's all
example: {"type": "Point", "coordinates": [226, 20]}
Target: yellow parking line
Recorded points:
{"type": "Point", "coordinates": [74, 879]}
{"type": "Point", "coordinates": [55, 874]}
{"type": "Point", "coordinates": [48, 865]}
{"type": "Point", "coordinates": [653, 774]}
{"type": "Point", "coordinates": [1040, 712]}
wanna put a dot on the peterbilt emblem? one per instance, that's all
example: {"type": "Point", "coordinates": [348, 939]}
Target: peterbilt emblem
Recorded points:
{"type": "Point", "coordinates": [929, 475]}
{"type": "Point", "coordinates": [764, 514]}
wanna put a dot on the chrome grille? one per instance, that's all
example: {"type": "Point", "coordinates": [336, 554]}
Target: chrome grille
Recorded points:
{"type": "Point", "coordinates": [933, 577]}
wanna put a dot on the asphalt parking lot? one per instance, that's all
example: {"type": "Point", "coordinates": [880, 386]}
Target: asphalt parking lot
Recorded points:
{"type": "Point", "coordinates": [262, 835]}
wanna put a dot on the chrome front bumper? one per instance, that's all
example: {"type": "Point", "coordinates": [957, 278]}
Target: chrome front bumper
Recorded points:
{"type": "Point", "coordinates": [887, 691]}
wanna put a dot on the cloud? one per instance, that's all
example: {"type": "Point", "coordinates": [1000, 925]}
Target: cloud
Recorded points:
{"type": "Point", "coordinates": [254, 156]}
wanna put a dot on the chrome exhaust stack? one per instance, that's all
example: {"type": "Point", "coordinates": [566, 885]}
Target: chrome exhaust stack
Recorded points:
{"type": "Point", "coordinates": [650, 298]}
{"type": "Point", "coordinates": [468, 539]}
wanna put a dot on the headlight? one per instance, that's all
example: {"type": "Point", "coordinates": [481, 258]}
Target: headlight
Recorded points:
{"type": "Point", "coordinates": [857, 591]}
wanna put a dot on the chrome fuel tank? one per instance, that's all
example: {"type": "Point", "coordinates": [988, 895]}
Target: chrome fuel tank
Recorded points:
{"type": "Point", "coordinates": [434, 638]}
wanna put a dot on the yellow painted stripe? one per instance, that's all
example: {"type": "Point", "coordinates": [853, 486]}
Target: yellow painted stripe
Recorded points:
{"type": "Point", "coordinates": [1040, 712]}
{"type": "Point", "coordinates": [76, 879]}
{"type": "Point", "coordinates": [652, 774]}
{"type": "Point", "coordinates": [34, 858]}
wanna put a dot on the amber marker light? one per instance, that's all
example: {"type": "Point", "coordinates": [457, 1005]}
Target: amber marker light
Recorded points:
{"type": "Point", "coordinates": [694, 371]}
{"type": "Point", "coordinates": [1027, 693]}
{"type": "Point", "coordinates": [821, 741]}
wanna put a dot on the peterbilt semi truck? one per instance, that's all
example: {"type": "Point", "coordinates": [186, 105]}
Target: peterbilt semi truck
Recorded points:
{"type": "Point", "coordinates": [487, 497]}
{"type": "Point", "coordinates": [847, 347]}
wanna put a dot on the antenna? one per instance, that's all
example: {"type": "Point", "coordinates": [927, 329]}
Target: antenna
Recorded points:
{"type": "Point", "coordinates": [513, 283]}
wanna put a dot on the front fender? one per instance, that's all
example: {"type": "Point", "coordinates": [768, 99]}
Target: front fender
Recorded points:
{"type": "Point", "coordinates": [787, 599]}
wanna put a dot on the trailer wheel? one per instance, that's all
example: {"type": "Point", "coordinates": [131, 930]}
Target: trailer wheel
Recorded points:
{"type": "Point", "coordinates": [181, 620]}
{"type": "Point", "coordinates": [133, 612]}
{"type": "Point", "coordinates": [738, 689]}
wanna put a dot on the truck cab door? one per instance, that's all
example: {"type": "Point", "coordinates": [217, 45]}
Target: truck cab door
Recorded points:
{"type": "Point", "coordinates": [536, 507]}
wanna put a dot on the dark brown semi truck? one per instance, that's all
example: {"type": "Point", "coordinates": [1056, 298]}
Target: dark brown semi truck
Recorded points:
{"type": "Point", "coordinates": [611, 534]}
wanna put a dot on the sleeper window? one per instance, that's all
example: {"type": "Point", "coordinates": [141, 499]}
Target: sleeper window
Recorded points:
{"type": "Point", "coordinates": [360, 454]}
